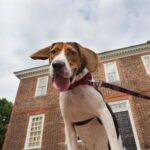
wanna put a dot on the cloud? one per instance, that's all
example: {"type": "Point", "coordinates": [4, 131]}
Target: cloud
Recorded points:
{"type": "Point", "coordinates": [101, 25]}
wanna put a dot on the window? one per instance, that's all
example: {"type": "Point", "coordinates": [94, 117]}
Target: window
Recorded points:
{"type": "Point", "coordinates": [34, 132]}
{"type": "Point", "coordinates": [41, 87]}
{"type": "Point", "coordinates": [111, 72]}
{"type": "Point", "coordinates": [146, 62]}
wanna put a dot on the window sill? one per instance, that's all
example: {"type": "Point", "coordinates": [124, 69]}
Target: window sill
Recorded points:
{"type": "Point", "coordinates": [39, 96]}
{"type": "Point", "coordinates": [33, 148]}
{"type": "Point", "coordinates": [115, 82]}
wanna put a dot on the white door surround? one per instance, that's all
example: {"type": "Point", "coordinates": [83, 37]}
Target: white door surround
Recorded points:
{"type": "Point", "coordinates": [124, 105]}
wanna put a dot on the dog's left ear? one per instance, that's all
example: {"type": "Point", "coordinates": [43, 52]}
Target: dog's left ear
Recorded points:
{"type": "Point", "coordinates": [42, 53]}
{"type": "Point", "coordinates": [90, 58]}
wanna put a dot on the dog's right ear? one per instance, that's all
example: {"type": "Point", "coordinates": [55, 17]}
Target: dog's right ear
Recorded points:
{"type": "Point", "coordinates": [89, 57]}
{"type": "Point", "coordinates": [43, 53]}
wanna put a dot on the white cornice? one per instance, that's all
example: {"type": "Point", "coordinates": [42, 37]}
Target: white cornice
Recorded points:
{"type": "Point", "coordinates": [104, 56]}
{"type": "Point", "coordinates": [32, 72]}
{"type": "Point", "coordinates": [124, 52]}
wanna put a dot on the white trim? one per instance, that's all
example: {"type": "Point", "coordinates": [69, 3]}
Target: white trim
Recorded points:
{"type": "Point", "coordinates": [127, 107]}
{"type": "Point", "coordinates": [32, 72]}
{"type": "Point", "coordinates": [37, 85]}
{"type": "Point", "coordinates": [116, 70]}
{"type": "Point", "coordinates": [29, 129]}
{"type": "Point", "coordinates": [124, 52]}
{"type": "Point", "coordinates": [103, 57]}
{"type": "Point", "coordinates": [143, 60]}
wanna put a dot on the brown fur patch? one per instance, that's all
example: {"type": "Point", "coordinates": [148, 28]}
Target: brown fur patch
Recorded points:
{"type": "Point", "coordinates": [77, 56]}
{"type": "Point", "coordinates": [55, 50]}
{"type": "Point", "coordinates": [72, 56]}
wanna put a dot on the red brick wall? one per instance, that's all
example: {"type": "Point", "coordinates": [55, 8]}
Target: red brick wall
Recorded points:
{"type": "Point", "coordinates": [133, 76]}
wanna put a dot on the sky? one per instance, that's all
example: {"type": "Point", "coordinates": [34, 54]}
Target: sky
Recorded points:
{"type": "Point", "coordinates": [101, 25]}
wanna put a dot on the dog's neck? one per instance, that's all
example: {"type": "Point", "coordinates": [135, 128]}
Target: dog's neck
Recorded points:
{"type": "Point", "coordinates": [81, 79]}
{"type": "Point", "coordinates": [80, 75]}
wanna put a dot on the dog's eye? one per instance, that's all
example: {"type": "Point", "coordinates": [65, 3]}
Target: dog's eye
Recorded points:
{"type": "Point", "coordinates": [53, 52]}
{"type": "Point", "coordinates": [72, 53]}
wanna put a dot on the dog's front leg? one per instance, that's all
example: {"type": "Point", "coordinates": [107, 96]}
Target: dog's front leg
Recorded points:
{"type": "Point", "coordinates": [108, 123]}
{"type": "Point", "coordinates": [71, 137]}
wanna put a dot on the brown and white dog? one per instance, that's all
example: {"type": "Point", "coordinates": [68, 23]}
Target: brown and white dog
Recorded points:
{"type": "Point", "coordinates": [83, 109]}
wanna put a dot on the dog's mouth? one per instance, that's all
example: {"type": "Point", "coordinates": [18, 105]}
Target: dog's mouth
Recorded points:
{"type": "Point", "coordinates": [60, 82]}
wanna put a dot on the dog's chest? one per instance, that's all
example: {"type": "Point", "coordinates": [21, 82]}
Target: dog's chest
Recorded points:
{"type": "Point", "coordinates": [93, 135]}
{"type": "Point", "coordinates": [80, 103]}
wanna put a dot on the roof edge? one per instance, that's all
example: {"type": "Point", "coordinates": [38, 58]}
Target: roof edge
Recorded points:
{"type": "Point", "coordinates": [36, 71]}
{"type": "Point", "coordinates": [124, 52]}
{"type": "Point", "coordinates": [104, 56]}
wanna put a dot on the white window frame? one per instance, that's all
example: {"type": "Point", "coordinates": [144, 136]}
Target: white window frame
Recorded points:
{"type": "Point", "coordinates": [116, 70]}
{"type": "Point", "coordinates": [143, 60]}
{"type": "Point", "coordinates": [124, 105]}
{"type": "Point", "coordinates": [37, 85]}
{"type": "Point", "coordinates": [29, 129]}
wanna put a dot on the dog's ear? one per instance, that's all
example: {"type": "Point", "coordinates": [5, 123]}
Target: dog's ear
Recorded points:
{"type": "Point", "coordinates": [42, 53]}
{"type": "Point", "coordinates": [90, 58]}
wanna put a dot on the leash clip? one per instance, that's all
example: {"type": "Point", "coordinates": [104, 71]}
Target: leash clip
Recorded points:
{"type": "Point", "coordinates": [96, 84]}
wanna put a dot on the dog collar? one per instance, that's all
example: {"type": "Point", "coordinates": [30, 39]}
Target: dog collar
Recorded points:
{"type": "Point", "coordinates": [84, 81]}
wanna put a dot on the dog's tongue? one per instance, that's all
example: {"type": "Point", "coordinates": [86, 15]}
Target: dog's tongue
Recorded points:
{"type": "Point", "coordinates": [61, 83]}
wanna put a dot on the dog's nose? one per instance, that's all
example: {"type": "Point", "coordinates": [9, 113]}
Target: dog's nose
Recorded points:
{"type": "Point", "coordinates": [58, 65]}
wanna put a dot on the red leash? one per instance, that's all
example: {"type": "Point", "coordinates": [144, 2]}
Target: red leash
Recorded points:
{"type": "Point", "coordinates": [87, 80]}
{"type": "Point", "coordinates": [100, 83]}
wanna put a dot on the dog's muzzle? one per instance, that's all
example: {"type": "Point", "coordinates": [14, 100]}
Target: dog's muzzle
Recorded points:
{"type": "Point", "coordinates": [58, 67]}
{"type": "Point", "coordinates": [60, 78]}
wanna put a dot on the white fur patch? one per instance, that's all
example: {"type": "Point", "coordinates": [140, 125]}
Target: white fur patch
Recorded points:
{"type": "Point", "coordinates": [80, 76]}
{"type": "Point", "coordinates": [62, 57]}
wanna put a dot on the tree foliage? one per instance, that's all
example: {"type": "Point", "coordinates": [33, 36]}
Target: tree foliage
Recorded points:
{"type": "Point", "coordinates": [5, 111]}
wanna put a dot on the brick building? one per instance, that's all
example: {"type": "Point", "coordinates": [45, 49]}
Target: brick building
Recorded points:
{"type": "Point", "coordinates": [36, 122]}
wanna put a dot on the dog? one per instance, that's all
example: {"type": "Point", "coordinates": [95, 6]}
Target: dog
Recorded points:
{"type": "Point", "coordinates": [84, 111]}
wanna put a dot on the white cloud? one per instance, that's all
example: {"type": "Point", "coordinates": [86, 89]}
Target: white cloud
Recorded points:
{"type": "Point", "coordinates": [27, 25]}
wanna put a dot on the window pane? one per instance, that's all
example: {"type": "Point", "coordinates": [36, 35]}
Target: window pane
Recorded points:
{"type": "Point", "coordinates": [147, 62]}
{"type": "Point", "coordinates": [41, 86]}
{"type": "Point", "coordinates": [111, 72]}
{"type": "Point", "coordinates": [35, 131]}
{"type": "Point", "coordinates": [42, 82]}
{"type": "Point", "coordinates": [112, 76]}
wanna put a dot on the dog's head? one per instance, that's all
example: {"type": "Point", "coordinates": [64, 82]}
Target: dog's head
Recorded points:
{"type": "Point", "coordinates": [67, 60]}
